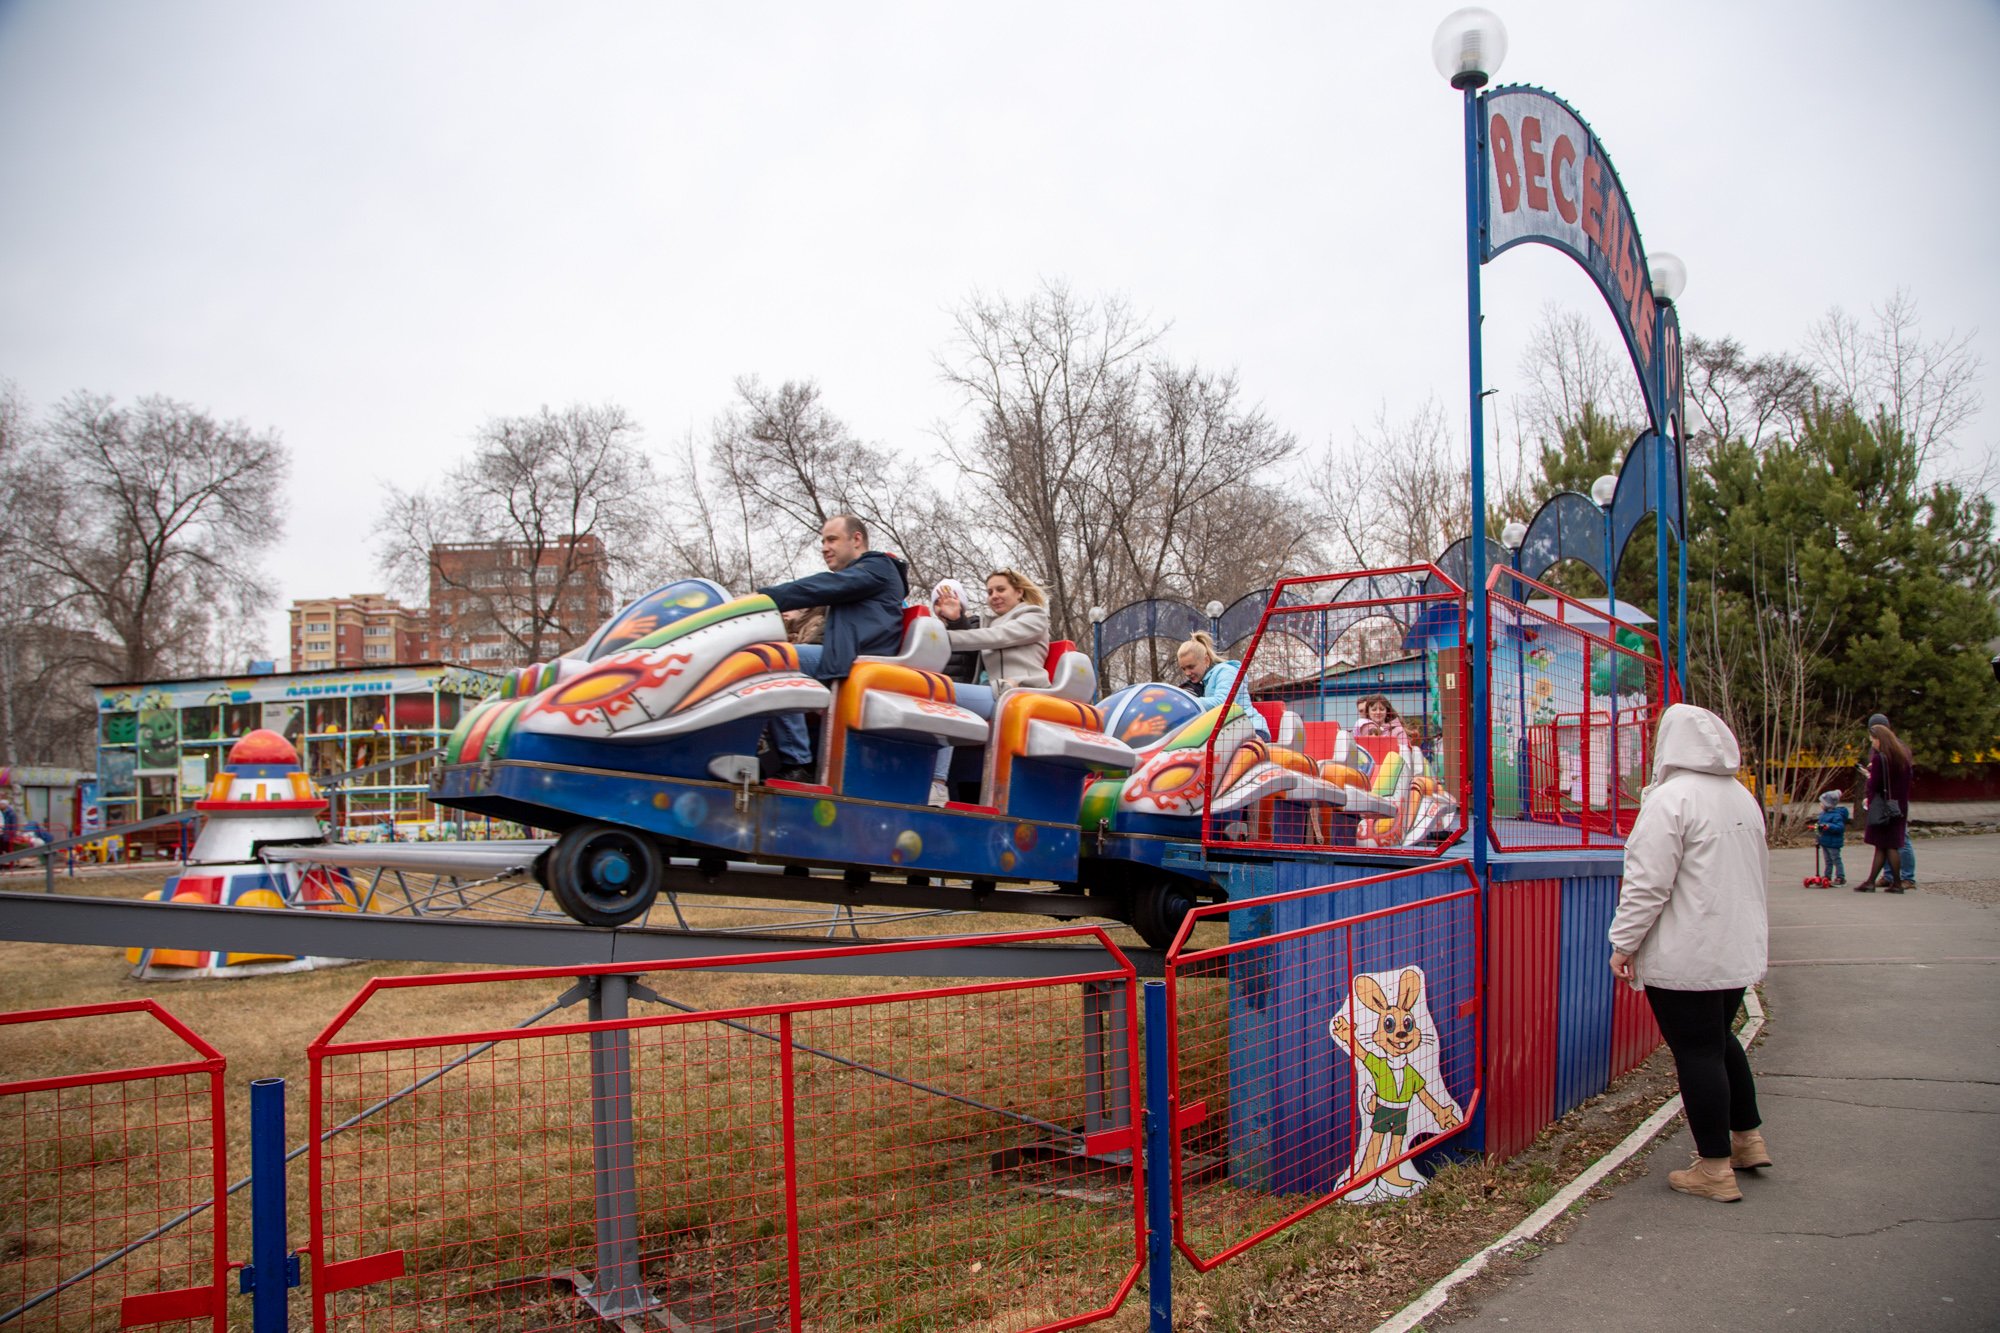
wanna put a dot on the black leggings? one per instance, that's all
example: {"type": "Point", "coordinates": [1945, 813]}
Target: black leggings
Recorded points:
{"type": "Point", "coordinates": [1716, 1087]}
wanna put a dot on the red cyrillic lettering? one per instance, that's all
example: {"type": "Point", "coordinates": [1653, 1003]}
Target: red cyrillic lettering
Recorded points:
{"type": "Point", "coordinates": [1561, 156]}
{"type": "Point", "coordinates": [1534, 165]}
{"type": "Point", "coordinates": [1628, 261]}
{"type": "Point", "coordinates": [1500, 144]}
{"type": "Point", "coordinates": [1593, 200]}
{"type": "Point", "coordinates": [1642, 323]}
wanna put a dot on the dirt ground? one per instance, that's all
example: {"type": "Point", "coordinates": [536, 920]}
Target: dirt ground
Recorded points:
{"type": "Point", "coordinates": [1343, 1268]}
{"type": "Point", "coordinates": [1350, 1267]}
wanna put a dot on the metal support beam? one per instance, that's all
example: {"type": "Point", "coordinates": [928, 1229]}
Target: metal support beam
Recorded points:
{"type": "Point", "coordinates": [617, 1287]}
{"type": "Point", "coordinates": [65, 919]}
{"type": "Point", "coordinates": [1107, 1046]}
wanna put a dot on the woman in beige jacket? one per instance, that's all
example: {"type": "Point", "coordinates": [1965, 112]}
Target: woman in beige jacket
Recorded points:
{"type": "Point", "coordinates": [1013, 644]}
{"type": "Point", "coordinates": [1692, 929]}
{"type": "Point", "coordinates": [1013, 648]}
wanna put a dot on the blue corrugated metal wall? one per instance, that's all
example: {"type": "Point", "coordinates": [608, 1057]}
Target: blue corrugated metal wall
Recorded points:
{"type": "Point", "coordinates": [1585, 991]}
{"type": "Point", "coordinates": [1291, 1123]}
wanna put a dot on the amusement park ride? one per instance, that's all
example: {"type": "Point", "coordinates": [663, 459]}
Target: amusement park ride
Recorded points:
{"type": "Point", "coordinates": [640, 752]}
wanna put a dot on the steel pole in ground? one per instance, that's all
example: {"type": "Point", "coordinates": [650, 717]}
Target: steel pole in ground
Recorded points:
{"type": "Point", "coordinates": [617, 1288]}
{"type": "Point", "coordinates": [273, 1271]}
{"type": "Point", "coordinates": [1475, 628]}
{"type": "Point", "coordinates": [1159, 1166]}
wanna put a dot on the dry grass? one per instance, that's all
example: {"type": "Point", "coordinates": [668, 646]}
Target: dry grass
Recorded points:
{"type": "Point", "coordinates": [900, 1192]}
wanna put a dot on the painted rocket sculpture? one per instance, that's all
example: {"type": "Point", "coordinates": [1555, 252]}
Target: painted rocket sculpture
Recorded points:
{"type": "Point", "coordinates": [261, 798]}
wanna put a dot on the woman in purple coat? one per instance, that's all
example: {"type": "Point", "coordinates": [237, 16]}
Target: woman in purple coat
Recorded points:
{"type": "Point", "coordinates": [1888, 781]}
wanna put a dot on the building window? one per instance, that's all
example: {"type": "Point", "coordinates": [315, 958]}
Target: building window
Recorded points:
{"type": "Point", "coordinates": [376, 652]}
{"type": "Point", "coordinates": [319, 627]}
{"type": "Point", "coordinates": [379, 631]}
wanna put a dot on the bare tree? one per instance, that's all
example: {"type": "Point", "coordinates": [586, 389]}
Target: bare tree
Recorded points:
{"type": "Point", "coordinates": [1054, 385]}
{"type": "Point", "coordinates": [709, 533]}
{"type": "Point", "coordinates": [1400, 494]}
{"type": "Point", "coordinates": [45, 712]}
{"type": "Point", "coordinates": [793, 461]}
{"type": "Point", "coordinates": [1736, 396]}
{"type": "Point", "coordinates": [1927, 385]}
{"type": "Point", "coordinates": [1567, 366]}
{"type": "Point", "coordinates": [140, 529]}
{"type": "Point", "coordinates": [1759, 671]}
{"type": "Point", "coordinates": [562, 492]}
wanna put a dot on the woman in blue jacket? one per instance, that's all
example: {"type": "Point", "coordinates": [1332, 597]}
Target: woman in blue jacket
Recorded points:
{"type": "Point", "coordinates": [1210, 676]}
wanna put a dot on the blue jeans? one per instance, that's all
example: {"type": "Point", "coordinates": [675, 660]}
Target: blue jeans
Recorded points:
{"type": "Point", "coordinates": [1909, 860]}
{"type": "Point", "coordinates": [978, 698]}
{"type": "Point", "coordinates": [788, 730]}
{"type": "Point", "coordinates": [1833, 867]}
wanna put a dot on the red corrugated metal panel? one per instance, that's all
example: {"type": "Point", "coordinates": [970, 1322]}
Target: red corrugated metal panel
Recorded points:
{"type": "Point", "coordinates": [1523, 964]}
{"type": "Point", "coordinates": [1633, 1032]}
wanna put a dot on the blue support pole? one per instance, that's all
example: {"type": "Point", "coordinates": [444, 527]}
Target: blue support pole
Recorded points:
{"type": "Point", "coordinates": [1159, 1166]}
{"type": "Point", "coordinates": [1660, 438]}
{"type": "Point", "coordinates": [273, 1270]}
{"type": "Point", "coordinates": [1097, 652]}
{"type": "Point", "coordinates": [1611, 633]}
{"type": "Point", "coordinates": [1681, 637]}
{"type": "Point", "coordinates": [1475, 630]}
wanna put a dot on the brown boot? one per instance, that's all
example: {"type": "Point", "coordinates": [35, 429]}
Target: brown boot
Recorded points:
{"type": "Point", "coordinates": [1707, 1178]}
{"type": "Point", "coordinates": [1747, 1151]}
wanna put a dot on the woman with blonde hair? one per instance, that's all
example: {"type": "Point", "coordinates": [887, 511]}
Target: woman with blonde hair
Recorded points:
{"type": "Point", "coordinates": [1210, 676]}
{"type": "Point", "coordinates": [1013, 647]}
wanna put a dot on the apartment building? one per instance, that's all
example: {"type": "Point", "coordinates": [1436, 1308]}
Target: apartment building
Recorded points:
{"type": "Point", "coordinates": [502, 604]}
{"type": "Point", "coordinates": [365, 630]}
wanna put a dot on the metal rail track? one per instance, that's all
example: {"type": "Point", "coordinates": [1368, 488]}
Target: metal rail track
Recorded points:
{"type": "Point", "coordinates": [40, 918]}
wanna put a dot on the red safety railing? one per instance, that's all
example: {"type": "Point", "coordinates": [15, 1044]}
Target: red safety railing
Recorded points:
{"type": "Point", "coordinates": [1575, 694]}
{"type": "Point", "coordinates": [1317, 1051]}
{"type": "Point", "coordinates": [952, 1156]}
{"type": "Point", "coordinates": [104, 1174]}
{"type": "Point", "coordinates": [1329, 770]}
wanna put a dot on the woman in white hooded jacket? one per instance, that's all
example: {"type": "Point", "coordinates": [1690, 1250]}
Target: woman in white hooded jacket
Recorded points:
{"type": "Point", "coordinates": [1692, 929]}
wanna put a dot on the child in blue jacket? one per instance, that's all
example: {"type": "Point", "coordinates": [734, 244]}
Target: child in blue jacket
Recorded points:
{"type": "Point", "coordinates": [1832, 826]}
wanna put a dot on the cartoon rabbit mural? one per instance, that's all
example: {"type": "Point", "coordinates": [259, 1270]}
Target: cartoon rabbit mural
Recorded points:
{"type": "Point", "coordinates": [1397, 1077]}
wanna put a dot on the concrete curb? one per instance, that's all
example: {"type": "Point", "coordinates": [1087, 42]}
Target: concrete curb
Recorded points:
{"type": "Point", "coordinates": [1413, 1314]}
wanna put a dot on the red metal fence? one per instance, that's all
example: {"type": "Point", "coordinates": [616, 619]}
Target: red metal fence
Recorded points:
{"type": "Point", "coordinates": [93, 1164]}
{"type": "Point", "coordinates": [953, 1156]}
{"type": "Point", "coordinates": [1575, 693]}
{"type": "Point", "coordinates": [1346, 758]}
{"type": "Point", "coordinates": [1316, 1050]}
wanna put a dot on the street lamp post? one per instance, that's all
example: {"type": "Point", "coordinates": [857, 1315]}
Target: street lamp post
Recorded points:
{"type": "Point", "coordinates": [1097, 642]}
{"type": "Point", "coordinates": [1605, 491]}
{"type": "Point", "coordinates": [1468, 49]}
{"type": "Point", "coordinates": [1512, 536]}
{"type": "Point", "coordinates": [1669, 278]}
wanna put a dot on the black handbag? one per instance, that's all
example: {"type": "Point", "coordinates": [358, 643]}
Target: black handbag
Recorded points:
{"type": "Point", "coordinates": [1885, 810]}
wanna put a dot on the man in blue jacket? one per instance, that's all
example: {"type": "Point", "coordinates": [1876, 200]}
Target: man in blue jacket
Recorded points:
{"type": "Point", "coordinates": [863, 593]}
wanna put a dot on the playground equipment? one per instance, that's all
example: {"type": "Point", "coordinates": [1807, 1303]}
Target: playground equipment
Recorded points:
{"type": "Point", "coordinates": [262, 799]}
{"type": "Point", "coordinates": [642, 749]}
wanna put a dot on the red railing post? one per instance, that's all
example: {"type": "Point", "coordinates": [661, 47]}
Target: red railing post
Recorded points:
{"type": "Point", "coordinates": [788, 1096]}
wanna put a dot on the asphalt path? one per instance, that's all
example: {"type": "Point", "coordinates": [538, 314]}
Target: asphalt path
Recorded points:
{"type": "Point", "coordinates": [1879, 1082]}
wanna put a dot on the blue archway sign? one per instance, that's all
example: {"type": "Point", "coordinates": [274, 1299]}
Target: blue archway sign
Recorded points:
{"type": "Point", "coordinates": [1545, 178]}
{"type": "Point", "coordinates": [1534, 171]}
{"type": "Point", "coordinates": [1548, 180]}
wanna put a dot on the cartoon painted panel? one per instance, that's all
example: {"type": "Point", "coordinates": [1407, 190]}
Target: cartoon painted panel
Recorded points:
{"type": "Point", "coordinates": [1385, 1027]}
{"type": "Point", "coordinates": [159, 740]}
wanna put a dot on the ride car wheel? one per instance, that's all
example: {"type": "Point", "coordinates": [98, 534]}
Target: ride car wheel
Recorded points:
{"type": "Point", "coordinates": [1157, 910]}
{"type": "Point", "coordinates": [604, 876]}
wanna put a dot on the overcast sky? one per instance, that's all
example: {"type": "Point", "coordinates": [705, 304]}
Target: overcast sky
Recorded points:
{"type": "Point", "coordinates": [370, 226]}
